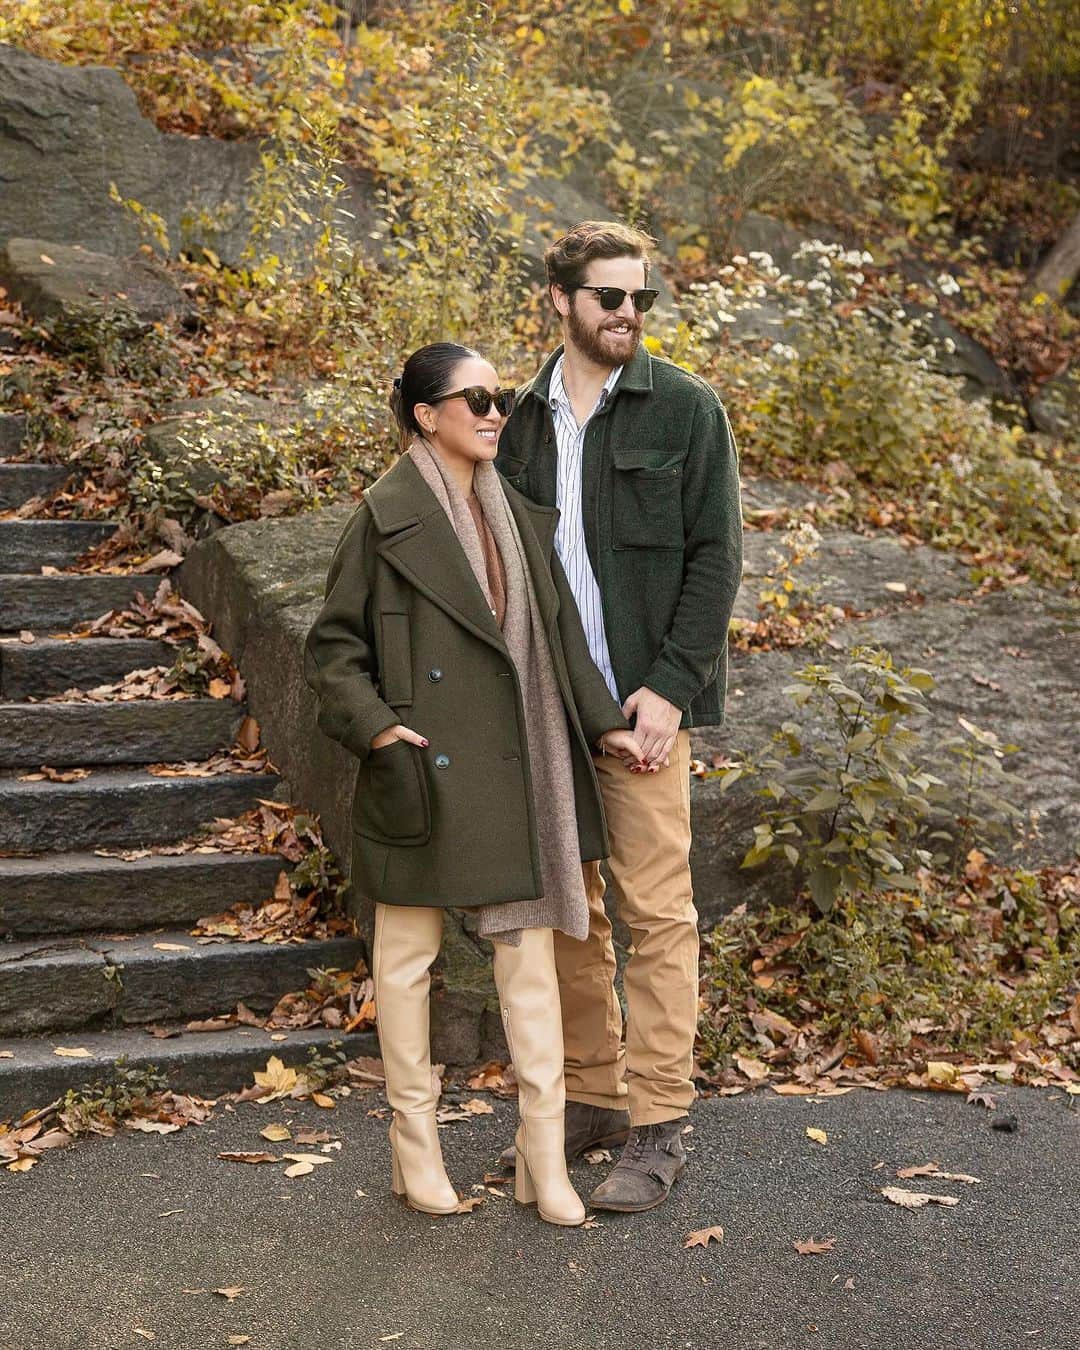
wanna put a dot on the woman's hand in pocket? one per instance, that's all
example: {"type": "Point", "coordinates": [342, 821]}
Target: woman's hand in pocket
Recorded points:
{"type": "Point", "coordinates": [397, 733]}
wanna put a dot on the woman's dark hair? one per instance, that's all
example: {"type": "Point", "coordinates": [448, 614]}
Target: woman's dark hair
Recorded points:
{"type": "Point", "coordinates": [426, 375]}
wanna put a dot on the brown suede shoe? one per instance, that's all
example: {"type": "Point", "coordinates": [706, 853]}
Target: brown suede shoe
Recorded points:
{"type": "Point", "coordinates": [651, 1163]}
{"type": "Point", "coordinates": [587, 1127]}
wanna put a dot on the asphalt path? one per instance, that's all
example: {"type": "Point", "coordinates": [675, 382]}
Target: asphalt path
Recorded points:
{"type": "Point", "coordinates": [133, 1234]}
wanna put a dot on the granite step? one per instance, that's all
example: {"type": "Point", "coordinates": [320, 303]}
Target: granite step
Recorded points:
{"type": "Point", "coordinates": [20, 482]}
{"type": "Point", "coordinates": [54, 665]}
{"type": "Point", "coordinates": [120, 807]}
{"type": "Point", "coordinates": [55, 604]}
{"type": "Point", "coordinates": [63, 984]}
{"type": "Point", "coordinates": [141, 731]}
{"type": "Point", "coordinates": [205, 1064]}
{"type": "Point", "coordinates": [83, 892]}
{"type": "Point", "coordinates": [29, 545]}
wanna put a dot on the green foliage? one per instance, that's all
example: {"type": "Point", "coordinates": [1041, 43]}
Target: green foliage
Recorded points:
{"type": "Point", "coordinates": [846, 807]}
{"type": "Point", "coordinates": [976, 967]}
{"type": "Point", "coordinates": [126, 1092]}
{"type": "Point", "coordinates": [110, 339]}
{"type": "Point", "coordinates": [853, 384]}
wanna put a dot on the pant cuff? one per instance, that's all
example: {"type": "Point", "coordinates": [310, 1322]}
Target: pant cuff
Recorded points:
{"type": "Point", "coordinates": [605, 1100]}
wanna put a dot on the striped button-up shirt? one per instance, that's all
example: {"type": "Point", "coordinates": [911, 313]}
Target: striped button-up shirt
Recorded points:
{"type": "Point", "coordinates": [570, 534]}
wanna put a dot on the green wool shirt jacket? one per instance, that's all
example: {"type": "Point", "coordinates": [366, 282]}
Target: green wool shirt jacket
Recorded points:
{"type": "Point", "coordinates": [663, 523]}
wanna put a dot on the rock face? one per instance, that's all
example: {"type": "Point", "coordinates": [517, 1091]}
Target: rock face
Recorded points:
{"type": "Point", "coordinates": [173, 442]}
{"type": "Point", "coordinates": [67, 132]}
{"type": "Point", "coordinates": [53, 280]}
{"type": "Point", "coordinates": [1056, 407]}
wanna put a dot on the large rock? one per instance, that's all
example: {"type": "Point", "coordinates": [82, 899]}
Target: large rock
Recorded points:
{"type": "Point", "coordinates": [62, 281]}
{"type": "Point", "coordinates": [67, 132]}
{"type": "Point", "coordinates": [1056, 407]}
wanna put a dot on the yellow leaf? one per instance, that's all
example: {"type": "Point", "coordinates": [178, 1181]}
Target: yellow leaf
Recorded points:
{"type": "Point", "coordinates": [312, 1159]}
{"type": "Point", "coordinates": [70, 1052]}
{"type": "Point", "coordinates": [703, 1236]}
{"type": "Point", "coordinates": [626, 6]}
{"type": "Point", "coordinates": [300, 1169]}
{"type": "Point", "coordinates": [818, 1136]}
{"type": "Point", "coordinates": [22, 1165]}
{"type": "Point", "coordinates": [276, 1078]}
{"type": "Point", "coordinates": [321, 1099]}
{"type": "Point", "coordinates": [171, 947]}
{"type": "Point", "coordinates": [276, 1133]}
{"type": "Point", "coordinates": [653, 345]}
{"type": "Point", "coordinates": [940, 1071]}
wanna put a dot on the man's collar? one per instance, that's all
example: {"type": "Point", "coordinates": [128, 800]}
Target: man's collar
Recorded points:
{"type": "Point", "coordinates": [557, 386]}
{"type": "Point", "coordinates": [636, 375]}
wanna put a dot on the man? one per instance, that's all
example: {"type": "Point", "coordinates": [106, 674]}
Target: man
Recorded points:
{"type": "Point", "coordinates": [638, 456]}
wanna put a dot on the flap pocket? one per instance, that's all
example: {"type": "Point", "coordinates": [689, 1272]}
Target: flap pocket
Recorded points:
{"type": "Point", "coordinates": [647, 500]}
{"type": "Point", "coordinates": [391, 801]}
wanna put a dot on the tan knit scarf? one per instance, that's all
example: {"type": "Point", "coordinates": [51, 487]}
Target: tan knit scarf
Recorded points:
{"type": "Point", "coordinates": [563, 905]}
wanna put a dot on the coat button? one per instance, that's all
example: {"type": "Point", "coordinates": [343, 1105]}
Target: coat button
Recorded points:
{"type": "Point", "coordinates": [435, 675]}
{"type": "Point", "coordinates": [442, 761]}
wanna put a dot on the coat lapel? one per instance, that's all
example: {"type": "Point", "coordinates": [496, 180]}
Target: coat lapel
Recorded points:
{"type": "Point", "coordinates": [419, 542]}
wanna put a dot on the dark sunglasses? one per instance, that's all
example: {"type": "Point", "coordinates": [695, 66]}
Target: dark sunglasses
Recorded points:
{"type": "Point", "coordinates": [611, 297]}
{"type": "Point", "coordinates": [480, 400]}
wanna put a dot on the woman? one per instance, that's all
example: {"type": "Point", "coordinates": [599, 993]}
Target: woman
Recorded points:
{"type": "Point", "coordinates": [449, 658]}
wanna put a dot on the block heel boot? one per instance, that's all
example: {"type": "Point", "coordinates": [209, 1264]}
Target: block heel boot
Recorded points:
{"type": "Point", "coordinates": [407, 940]}
{"type": "Point", "coordinates": [529, 999]}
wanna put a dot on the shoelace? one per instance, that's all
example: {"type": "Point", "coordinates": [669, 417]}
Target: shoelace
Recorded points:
{"type": "Point", "coordinates": [642, 1136]}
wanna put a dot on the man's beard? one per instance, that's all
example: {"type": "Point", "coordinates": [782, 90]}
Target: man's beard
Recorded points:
{"type": "Point", "coordinates": [600, 346]}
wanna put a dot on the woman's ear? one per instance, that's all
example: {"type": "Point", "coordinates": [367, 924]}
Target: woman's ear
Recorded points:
{"type": "Point", "coordinates": [424, 413]}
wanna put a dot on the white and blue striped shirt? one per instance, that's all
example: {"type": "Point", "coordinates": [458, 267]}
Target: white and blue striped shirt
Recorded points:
{"type": "Point", "coordinates": [570, 534]}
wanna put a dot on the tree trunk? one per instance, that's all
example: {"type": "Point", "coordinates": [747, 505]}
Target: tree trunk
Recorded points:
{"type": "Point", "coordinates": [1056, 273]}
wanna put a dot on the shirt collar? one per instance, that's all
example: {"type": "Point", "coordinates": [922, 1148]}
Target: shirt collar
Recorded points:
{"type": "Point", "coordinates": [557, 390]}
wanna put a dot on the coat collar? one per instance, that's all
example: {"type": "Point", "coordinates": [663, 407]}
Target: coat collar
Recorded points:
{"type": "Point", "coordinates": [635, 379]}
{"type": "Point", "coordinates": [418, 541]}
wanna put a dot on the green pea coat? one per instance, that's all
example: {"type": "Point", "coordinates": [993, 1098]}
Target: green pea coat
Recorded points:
{"type": "Point", "coordinates": [405, 635]}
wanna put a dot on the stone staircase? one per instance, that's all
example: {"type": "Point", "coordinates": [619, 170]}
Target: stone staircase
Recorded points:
{"type": "Point", "coordinates": [95, 948]}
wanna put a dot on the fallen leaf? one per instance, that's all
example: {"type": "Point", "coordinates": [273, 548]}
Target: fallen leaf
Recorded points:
{"type": "Point", "coordinates": [313, 1158]}
{"type": "Point", "coordinates": [249, 1157]}
{"type": "Point", "coordinates": [276, 1077]}
{"type": "Point", "coordinates": [233, 1291]}
{"type": "Point", "coordinates": [167, 1214]}
{"type": "Point", "coordinates": [923, 1170]}
{"type": "Point", "coordinates": [276, 1133]}
{"type": "Point", "coordinates": [146, 1335]}
{"type": "Point", "coordinates": [595, 1156]}
{"type": "Point", "coordinates": [476, 1107]}
{"type": "Point", "coordinates": [982, 1099]}
{"type": "Point", "coordinates": [898, 587]}
{"type": "Point", "coordinates": [915, 1199]}
{"type": "Point", "coordinates": [238, 1340]}
{"type": "Point", "coordinates": [321, 1099]}
{"type": "Point", "coordinates": [300, 1169]}
{"type": "Point", "coordinates": [22, 1165]}
{"type": "Point", "coordinates": [152, 1126]}
{"type": "Point", "coordinates": [26, 636]}
{"type": "Point", "coordinates": [703, 1236]}
{"type": "Point", "coordinates": [467, 1206]}
{"type": "Point", "coordinates": [818, 1136]}
{"type": "Point", "coordinates": [752, 1068]}
{"type": "Point", "coordinates": [7, 1054]}
{"type": "Point", "coordinates": [72, 1052]}
{"type": "Point", "coordinates": [172, 947]}
{"type": "Point", "coordinates": [812, 1246]}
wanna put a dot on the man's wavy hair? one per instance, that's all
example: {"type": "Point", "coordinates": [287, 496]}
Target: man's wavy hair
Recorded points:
{"type": "Point", "coordinates": [568, 258]}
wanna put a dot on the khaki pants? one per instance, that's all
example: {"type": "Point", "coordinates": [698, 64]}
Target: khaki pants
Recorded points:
{"type": "Point", "coordinates": [648, 818]}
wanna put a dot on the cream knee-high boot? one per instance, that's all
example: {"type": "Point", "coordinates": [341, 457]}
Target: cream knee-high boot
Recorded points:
{"type": "Point", "coordinates": [407, 941]}
{"type": "Point", "coordinates": [529, 998]}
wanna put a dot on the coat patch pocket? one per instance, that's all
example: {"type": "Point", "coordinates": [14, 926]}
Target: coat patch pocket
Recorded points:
{"type": "Point", "coordinates": [646, 501]}
{"type": "Point", "coordinates": [391, 801]}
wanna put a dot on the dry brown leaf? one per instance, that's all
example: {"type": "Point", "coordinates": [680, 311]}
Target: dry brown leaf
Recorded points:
{"type": "Point", "coordinates": [701, 1237]}
{"type": "Point", "coordinates": [321, 1099]}
{"type": "Point", "coordinates": [477, 1107]}
{"type": "Point", "coordinates": [233, 1291]}
{"type": "Point", "coordinates": [22, 1165]}
{"type": "Point", "coordinates": [152, 1126]}
{"type": "Point", "coordinates": [916, 1199]}
{"type": "Point", "coordinates": [72, 1052]}
{"type": "Point", "coordinates": [813, 1246]}
{"type": "Point", "coordinates": [171, 947]}
{"type": "Point", "coordinates": [752, 1068]}
{"type": "Point", "coordinates": [241, 1157]}
{"type": "Point", "coordinates": [276, 1133]}
{"type": "Point", "coordinates": [923, 1170]}
{"type": "Point", "coordinates": [218, 688]}
{"type": "Point", "coordinates": [467, 1206]}
{"type": "Point", "coordinates": [300, 1169]}
{"type": "Point", "coordinates": [146, 1335]}
{"type": "Point", "coordinates": [313, 1158]}
{"type": "Point", "coordinates": [818, 1136]}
